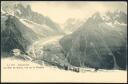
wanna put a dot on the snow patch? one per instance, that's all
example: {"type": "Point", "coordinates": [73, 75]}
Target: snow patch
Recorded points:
{"type": "Point", "coordinates": [19, 12]}
{"type": "Point", "coordinates": [110, 24]}
{"type": "Point", "coordinates": [118, 23]}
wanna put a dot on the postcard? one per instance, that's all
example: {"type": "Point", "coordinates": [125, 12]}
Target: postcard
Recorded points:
{"type": "Point", "coordinates": [63, 41]}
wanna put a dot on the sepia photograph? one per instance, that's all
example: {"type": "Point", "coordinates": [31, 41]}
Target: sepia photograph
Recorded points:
{"type": "Point", "coordinates": [64, 42]}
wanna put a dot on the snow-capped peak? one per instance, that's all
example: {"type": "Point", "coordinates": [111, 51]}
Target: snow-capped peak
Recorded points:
{"type": "Point", "coordinates": [110, 17]}
{"type": "Point", "coordinates": [96, 16]}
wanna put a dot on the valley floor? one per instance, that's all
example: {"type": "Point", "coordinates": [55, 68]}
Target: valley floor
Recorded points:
{"type": "Point", "coordinates": [52, 74]}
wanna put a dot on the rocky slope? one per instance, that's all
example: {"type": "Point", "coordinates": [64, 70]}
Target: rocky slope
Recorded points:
{"type": "Point", "coordinates": [14, 34]}
{"type": "Point", "coordinates": [100, 42]}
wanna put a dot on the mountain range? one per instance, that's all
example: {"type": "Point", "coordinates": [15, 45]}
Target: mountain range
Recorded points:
{"type": "Point", "coordinates": [21, 26]}
{"type": "Point", "coordinates": [100, 42]}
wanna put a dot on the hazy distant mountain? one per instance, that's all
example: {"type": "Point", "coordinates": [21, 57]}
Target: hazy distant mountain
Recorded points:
{"type": "Point", "coordinates": [15, 34]}
{"type": "Point", "coordinates": [72, 24]}
{"type": "Point", "coordinates": [100, 42]}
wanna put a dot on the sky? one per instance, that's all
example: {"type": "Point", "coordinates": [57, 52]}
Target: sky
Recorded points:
{"type": "Point", "coordinates": [60, 11]}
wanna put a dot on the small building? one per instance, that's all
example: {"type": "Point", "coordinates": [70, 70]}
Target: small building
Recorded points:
{"type": "Point", "coordinates": [16, 52]}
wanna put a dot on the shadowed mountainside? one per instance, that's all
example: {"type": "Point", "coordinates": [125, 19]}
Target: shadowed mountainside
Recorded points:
{"type": "Point", "coordinates": [98, 43]}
